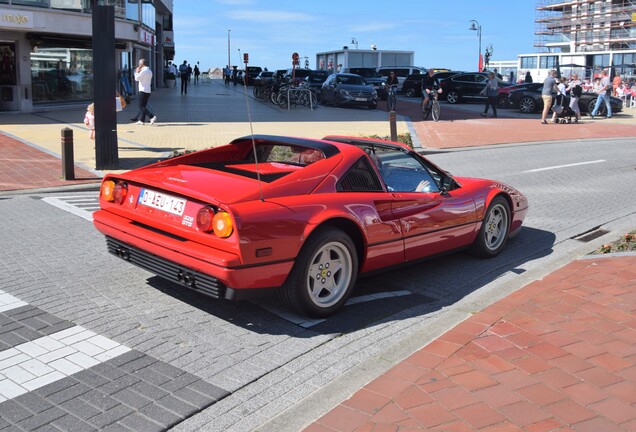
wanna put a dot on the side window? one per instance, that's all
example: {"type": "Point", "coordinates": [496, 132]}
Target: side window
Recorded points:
{"type": "Point", "coordinates": [402, 73]}
{"type": "Point", "coordinates": [384, 72]}
{"type": "Point", "coordinates": [416, 72]}
{"type": "Point", "coordinates": [480, 78]}
{"type": "Point", "coordinates": [404, 173]}
{"type": "Point", "coordinates": [465, 78]}
{"type": "Point", "coordinates": [360, 178]}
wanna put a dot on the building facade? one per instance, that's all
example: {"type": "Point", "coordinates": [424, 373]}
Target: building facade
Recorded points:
{"type": "Point", "coordinates": [583, 37]}
{"type": "Point", "coordinates": [46, 48]}
{"type": "Point", "coordinates": [335, 61]}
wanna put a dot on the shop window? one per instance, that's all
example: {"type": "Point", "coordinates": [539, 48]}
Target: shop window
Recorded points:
{"type": "Point", "coordinates": [7, 67]}
{"type": "Point", "coordinates": [34, 3]}
{"type": "Point", "coordinates": [61, 74]}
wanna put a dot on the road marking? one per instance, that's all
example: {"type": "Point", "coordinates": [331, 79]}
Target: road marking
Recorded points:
{"type": "Point", "coordinates": [565, 166]}
{"type": "Point", "coordinates": [34, 364]}
{"type": "Point", "coordinates": [79, 205]}
{"type": "Point", "coordinates": [304, 322]}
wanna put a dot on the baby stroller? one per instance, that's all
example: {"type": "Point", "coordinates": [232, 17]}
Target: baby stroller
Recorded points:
{"type": "Point", "coordinates": [562, 109]}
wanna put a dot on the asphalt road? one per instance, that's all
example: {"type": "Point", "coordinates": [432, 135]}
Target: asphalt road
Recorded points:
{"type": "Point", "coordinates": [280, 371]}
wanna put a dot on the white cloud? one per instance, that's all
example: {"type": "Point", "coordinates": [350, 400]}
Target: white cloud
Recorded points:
{"type": "Point", "coordinates": [269, 16]}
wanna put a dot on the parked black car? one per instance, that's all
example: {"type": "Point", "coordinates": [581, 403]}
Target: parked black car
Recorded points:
{"type": "Point", "coordinates": [467, 86]}
{"type": "Point", "coordinates": [348, 89]}
{"type": "Point", "coordinates": [413, 83]}
{"type": "Point", "coordinates": [264, 78]}
{"type": "Point", "coordinates": [251, 72]}
{"type": "Point", "coordinates": [316, 78]}
{"type": "Point", "coordinates": [502, 96]}
{"type": "Point", "coordinates": [372, 77]}
{"type": "Point", "coordinates": [530, 101]}
{"type": "Point", "coordinates": [297, 75]}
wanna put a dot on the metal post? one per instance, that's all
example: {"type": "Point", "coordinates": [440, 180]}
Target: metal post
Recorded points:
{"type": "Point", "coordinates": [68, 163]}
{"type": "Point", "coordinates": [393, 125]}
{"type": "Point", "coordinates": [104, 76]}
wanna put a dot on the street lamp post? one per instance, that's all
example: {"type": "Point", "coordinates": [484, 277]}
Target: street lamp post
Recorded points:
{"type": "Point", "coordinates": [474, 25]}
{"type": "Point", "coordinates": [228, 49]}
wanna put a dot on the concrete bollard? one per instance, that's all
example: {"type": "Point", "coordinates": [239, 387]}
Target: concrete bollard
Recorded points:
{"type": "Point", "coordinates": [68, 164]}
{"type": "Point", "coordinates": [393, 125]}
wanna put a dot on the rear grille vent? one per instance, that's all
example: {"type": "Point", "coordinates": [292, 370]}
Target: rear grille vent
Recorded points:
{"type": "Point", "coordinates": [169, 270]}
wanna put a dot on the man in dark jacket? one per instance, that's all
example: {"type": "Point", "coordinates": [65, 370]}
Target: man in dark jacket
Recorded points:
{"type": "Point", "coordinates": [185, 76]}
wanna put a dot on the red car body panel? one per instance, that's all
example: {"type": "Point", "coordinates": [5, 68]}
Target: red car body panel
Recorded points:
{"type": "Point", "coordinates": [273, 218]}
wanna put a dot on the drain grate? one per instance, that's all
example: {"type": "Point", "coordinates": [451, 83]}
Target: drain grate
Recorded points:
{"type": "Point", "coordinates": [590, 235]}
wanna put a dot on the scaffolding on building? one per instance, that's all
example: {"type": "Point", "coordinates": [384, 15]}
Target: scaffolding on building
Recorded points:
{"type": "Point", "coordinates": [569, 26]}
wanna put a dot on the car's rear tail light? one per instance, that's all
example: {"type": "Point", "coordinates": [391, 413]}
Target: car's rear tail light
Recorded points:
{"type": "Point", "coordinates": [222, 224]}
{"type": "Point", "coordinates": [120, 192]}
{"type": "Point", "coordinates": [107, 190]}
{"type": "Point", "coordinates": [205, 219]}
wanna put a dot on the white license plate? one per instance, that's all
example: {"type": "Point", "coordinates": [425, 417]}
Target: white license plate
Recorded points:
{"type": "Point", "coordinates": [361, 99]}
{"type": "Point", "coordinates": [162, 201]}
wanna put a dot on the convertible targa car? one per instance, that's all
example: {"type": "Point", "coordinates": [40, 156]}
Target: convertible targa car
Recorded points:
{"type": "Point", "coordinates": [303, 217]}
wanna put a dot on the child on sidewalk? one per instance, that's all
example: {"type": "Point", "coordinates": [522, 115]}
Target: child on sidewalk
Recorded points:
{"type": "Point", "coordinates": [89, 120]}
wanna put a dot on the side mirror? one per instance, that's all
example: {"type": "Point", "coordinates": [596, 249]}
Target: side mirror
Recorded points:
{"type": "Point", "coordinates": [448, 183]}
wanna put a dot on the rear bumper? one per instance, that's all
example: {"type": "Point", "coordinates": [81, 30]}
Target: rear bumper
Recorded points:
{"type": "Point", "coordinates": [204, 269]}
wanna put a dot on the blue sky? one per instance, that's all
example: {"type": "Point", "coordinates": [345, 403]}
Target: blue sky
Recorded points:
{"type": "Point", "coordinates": [270, 31]}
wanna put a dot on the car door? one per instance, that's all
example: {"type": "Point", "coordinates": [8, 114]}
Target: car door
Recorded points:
{"type": "Point", "coordinates": [431, 221]}
{"type": "Point", "coordinates": [479, 83]}
{"type": "Point", "coordinates": [328, 89]}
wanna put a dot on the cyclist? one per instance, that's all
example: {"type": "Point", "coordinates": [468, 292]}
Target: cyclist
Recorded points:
{"type": "Point", "coordinates": [392, 83]}
{"type": "Point", "coordinates": [429, 84]}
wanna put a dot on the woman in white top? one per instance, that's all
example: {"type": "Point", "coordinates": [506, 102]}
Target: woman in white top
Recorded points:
{"type": "Point", "coordinates": [558, 101]}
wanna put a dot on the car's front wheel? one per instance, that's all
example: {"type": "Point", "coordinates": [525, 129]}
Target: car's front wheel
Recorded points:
{"type": "Point", "coordinates": [452, 97]}
{"type": "Point", "coordinates": [527, 105]}
{"type": "Point", "coordinates": [502, 101]}
{"type": "Point", "coordinates": [323, 275]}
{"type": "Point", "coordinates": [602, 109]}
{"type": "Point", "coordinates": [494, 230]}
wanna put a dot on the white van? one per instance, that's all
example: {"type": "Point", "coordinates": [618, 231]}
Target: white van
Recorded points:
{"type": "Point", "coordinates": [402, 72]}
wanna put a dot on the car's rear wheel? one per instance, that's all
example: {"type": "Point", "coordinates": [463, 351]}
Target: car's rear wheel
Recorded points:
{"type": "Point", "coordinates": [410, 92]}
{"type": "Point", "coordinates": [527, 105]}
{"type": "Point", "coordinates": [324, 274]}
{"type": "Point", "coordinates": [494, 230]}
{"type": "Point", "coordinates": [452, 97]}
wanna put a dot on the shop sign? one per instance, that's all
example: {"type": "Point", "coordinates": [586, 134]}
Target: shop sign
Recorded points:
{"type": "Point", "coordinates": [15, 19]}
{"type": "Point", "coordinates": [168, 38]}
{"type": "Point", "coordinates": [146, 37]}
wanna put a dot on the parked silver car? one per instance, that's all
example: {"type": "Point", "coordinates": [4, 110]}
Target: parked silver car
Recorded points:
{"type": "Point", "coordinates": [348, 89]}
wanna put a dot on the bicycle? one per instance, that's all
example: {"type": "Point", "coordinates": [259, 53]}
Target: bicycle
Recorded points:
{"type": "Point", "coordinates": [391, 100]}
{"type": "Point", "coordinates": [432, 107]}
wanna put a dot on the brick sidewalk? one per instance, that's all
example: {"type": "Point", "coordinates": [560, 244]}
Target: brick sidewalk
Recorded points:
{"type": "Point", "coordinates": [25, 167]}
{"type": "Point", "coordinates": [557, 355]}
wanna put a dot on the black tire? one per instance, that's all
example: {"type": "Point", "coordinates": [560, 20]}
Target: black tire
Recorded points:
{"type": "Point", "coordinates": [311, 287]}
{"type": "Point", "coordinates": [435, 110]}
{"type": "Point", "coordinates": [373, 105]}
{"type": "Point", "coordinates": [494, 231]}
{"type": "Point", "coordinates": [410, 92]}
{"type": "Point", "coordinates": [602, 109]}
{"type": "Point", "coordinates": [452, 97]}
{"type": "Point", "coordinates": [502, 101]}
{"type": "Point", "coordinates": [527, 105]}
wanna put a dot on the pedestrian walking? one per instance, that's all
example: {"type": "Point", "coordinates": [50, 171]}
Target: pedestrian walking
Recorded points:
{"type": "Point", "coordinates": [576, 91]}
{"type": "Point", "coordinates": [546, 94]}
{"type": "Point", "coordinates": [490, 91]}
{"type": "Point", "coordinates": [143, 75]}
{"type": "Point", "coordinates": [603, 95]}
{"type": "Point", "coordinates": [172, 69]}
{"type": "Point", "coordinates": [197, 72]}
{"type": "Point", "coordinates": [235, 75]}
{"type": "Point", "coordinates": [557, 108]}
{"type": "Point", "coordinates": [184, 75]}
{"type": "Point", "coordinates": [227, 74]}
{"type": "Point", "coordinates": [528, 77]}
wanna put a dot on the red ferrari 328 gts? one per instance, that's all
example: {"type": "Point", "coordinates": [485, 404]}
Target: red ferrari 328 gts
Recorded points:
{"type": "Point", "coordinates": [305, 217]}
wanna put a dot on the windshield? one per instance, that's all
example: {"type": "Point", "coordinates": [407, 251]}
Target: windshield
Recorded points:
{"type": "Point", "coordinates": [350, 80]}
